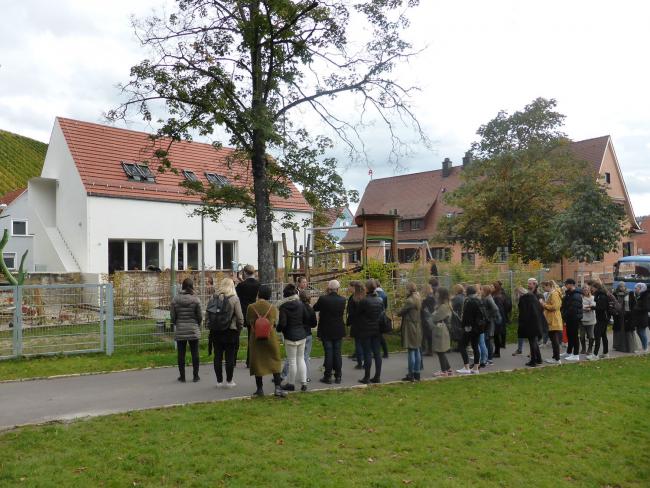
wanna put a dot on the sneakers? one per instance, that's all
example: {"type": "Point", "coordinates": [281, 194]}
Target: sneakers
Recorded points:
{"type": "Point", "coordinates": [279, 392]}
{"type": "Point", "coordinates": [474, 371]}
{"type": "Point", "coordinates": [517, 352]}
{"type": "Point", "coordinates": [439, 374]}
{"type": "Point", "coordinates": [464, 371]}
{"type": "Point", "coordinates": [288, 387]}
{"type": "Point", "coordinates": [565, 355]}
{"type": "Point", "coordinates": [591, 357]}
{"type": "Point", "coordinates": [604, 356]}
{"type": "Point", "coordinates": [572, 357]}
{"type": "Point", "coordinates": [552, 361]}
{"type": "Point", "coordinates": [230, 384]}
{"type": "Point", "coordinates": [219, 385]}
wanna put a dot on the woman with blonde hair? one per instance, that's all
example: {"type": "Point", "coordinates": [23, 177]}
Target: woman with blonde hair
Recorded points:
{"type": "Point", "coordinates": [412, 331]}
{"type": "Point", "coordinates": [552, 311]}
{"type": "Point", "coordinates": [228, 321]}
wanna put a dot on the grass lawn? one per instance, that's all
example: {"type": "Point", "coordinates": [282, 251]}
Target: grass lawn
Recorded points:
{"type": "Point", "coordinates": [126, 358]}
{"type": "Point", "coordinates": [583, 425]}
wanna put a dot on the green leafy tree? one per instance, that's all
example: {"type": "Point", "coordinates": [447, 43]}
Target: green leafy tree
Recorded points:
{"type": "Point", "coordinates": [254, 69]}
{"type": "Point", "coordinates": [523, 179]}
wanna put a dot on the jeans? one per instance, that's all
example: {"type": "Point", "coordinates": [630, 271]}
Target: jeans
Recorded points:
{"type": "Point", "coordinates": [601, 333]}
{"type": "Point", "coordinates": [588, 331]}
{"type": "Point", "coordinates": [414, 360]}
{"type": "Point", "coordinates": [489, 342]}
{"type": "Point", "coordinates": [444, 362]}
{"type": "Point", "coordinates": [358, 351]}
{"type": "Point", "coordinates": [520, 344]}
{"type": "Point", "coordinates": [194, 350]}
{"type": "Point", "coordinates": [296, 356]}
{"type": "Point", "coordinates": [333, 359]}
{"type": "Point", "coordinates": [572, 336]}
{"type": "Point", "coordinates": [556, 339]}
{"type": "Point", "coordinates": [483, 349]}
{"type": "Point", "coordinates": [384, 344]}
{"type": "Point", "coordinates": [229, 350]}
{"type": "Point", "coordinates": [469, 337]}
{"type": "Point", "coordinates": [308, 344]}
{"type": "Point", "coordinates": [371, 349]}
{"type": "Point", "coordinates": [643, 336]}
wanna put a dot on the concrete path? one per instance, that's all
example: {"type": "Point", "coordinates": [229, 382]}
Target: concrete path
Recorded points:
{"type": "Point", "coordinates": [67, 398]}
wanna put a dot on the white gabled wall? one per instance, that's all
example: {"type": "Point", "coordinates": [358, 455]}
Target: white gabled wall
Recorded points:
{"type": "Point", "coordinates": [71, 200]}
{"type": "Point", "coordinates": [117, 218]}
{"type": "Point", "coordinates": [19, 210]}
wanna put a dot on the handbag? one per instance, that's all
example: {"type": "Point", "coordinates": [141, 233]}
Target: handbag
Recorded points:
{"type": "Point", "coordinates": [385, 323]}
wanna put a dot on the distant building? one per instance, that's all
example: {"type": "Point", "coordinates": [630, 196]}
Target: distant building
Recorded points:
{"type": "Point", "coordinates": [14, 217]}
{"type": "Point", "coordinates": [642, 241]}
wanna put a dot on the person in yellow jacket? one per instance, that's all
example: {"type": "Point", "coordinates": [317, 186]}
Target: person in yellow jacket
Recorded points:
{"type": "Point", "coordinates": [553, 315]}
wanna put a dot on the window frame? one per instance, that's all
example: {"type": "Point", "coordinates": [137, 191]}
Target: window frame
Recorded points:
{"type": "Point", "coordinates": [218, 263]}
{"type": "Point", "coordinates": [14, 256]}
{"type": "Point", "coordinates": [143, 253]}
{"type": "Point", "coordinates": [216, 179]}
{"type": "Point", "coordinates": [417, 224]}
{"type": "Point", "coordinates": [13, 234]}
{"type": "Point", "coordinates": [608, 178]}
{"type": "Point", "coordinates": [190, 175]}
{"type": "Point", "coordinates": [146, 173]}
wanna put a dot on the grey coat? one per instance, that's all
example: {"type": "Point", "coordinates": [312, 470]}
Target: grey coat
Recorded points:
{"type": "Point", "coordinates": [186, 317]}
{"type": "Point", "coordinates": [440, 335]}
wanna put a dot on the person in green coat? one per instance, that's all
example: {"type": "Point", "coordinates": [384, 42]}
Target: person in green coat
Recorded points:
{"type": "Point", "coordinates": [265, 356]}
{"type": "Point", "coordinates": [412, 331]}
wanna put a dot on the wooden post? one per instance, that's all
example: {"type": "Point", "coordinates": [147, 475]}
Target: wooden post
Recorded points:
{"type": "Point", "coordinates": [364, 248]}
{"type": "Point", "coordinates": [296, 263]}
{"type": "Point", "coordinates": [394, 243]}
{"type": "Point", "coordinates": [286, 263]}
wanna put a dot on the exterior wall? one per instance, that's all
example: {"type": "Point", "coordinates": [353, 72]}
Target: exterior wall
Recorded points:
{"type": "Point", "coordinates": [642, 241]}
{"type": "Point", "coordinates": [346, 220]}
{"type": "Point", "coordinates": [123, 219]}
{"type": "Point", "coordinates": [19, 210]}
{"type": "Point", "coordinates": [71, 201]}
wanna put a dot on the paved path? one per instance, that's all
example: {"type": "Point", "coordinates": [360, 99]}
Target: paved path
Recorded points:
{"type": "Point", "coordinates": [67, 398]}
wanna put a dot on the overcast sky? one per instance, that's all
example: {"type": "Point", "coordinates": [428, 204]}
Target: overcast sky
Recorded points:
{"type": "Point", "coordinates": [65, 57]}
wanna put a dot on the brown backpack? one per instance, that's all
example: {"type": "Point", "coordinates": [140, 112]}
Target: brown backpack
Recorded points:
{"type": "Point", "coordinates": [262, 326]}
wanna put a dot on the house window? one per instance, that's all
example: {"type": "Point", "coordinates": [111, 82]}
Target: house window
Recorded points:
{"type": "Point", "coordinates": [19, 227]}
{"type": "Point", "coordinates": [133, 255]}
{"type": "Point", "coordinates": [502, 254]}
{"type": "Point", "coordinates": [188, 255]}
{"type": "Point", "coordinates": [416, 224]}
{"type": "Point", "coordinates": [388, 255]}
{"type": "Point", "coordinates": [10, 260]}
{"type": "Point", "coordinates": [225, 255]}
{"type": "Point", "coordinates": [355, 256]}
{"type": "Point", "coordinates": [468, 257]}
{"type": "Point", "coordinates": [189, 175]}
{"type": "Point", "coordinates": [146, 173]}
{"type": "Point", "coordinates": [401, 225]}
{"type": "Point", "coordinates": [608, 178]}
{"type": "Point", "coordinates": [217, 180]}
{"type": "Point", "coordinates": [628, 248]}
{"type": "Point", "coordinates": [408, 255]}
{"type": "Point", "coordinates": [138, 172]}
{"type": "Point", "coordinates": [440, 253]}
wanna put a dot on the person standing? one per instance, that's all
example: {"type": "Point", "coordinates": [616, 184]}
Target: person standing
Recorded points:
{"type": "Point", "coordinates": [493, 317]}
{"type": "Point", "coordinates": [370, 310]}
{"type": "Point", "coordinates": [412, 331]}
{"type": "Point", "coordinates": [530, 323]}
{"type": "Point", "coordinates": [639, 308]}
{"type": "Point", "coordinates": [624, 333]}
{"type": "Point", "coordinates": [293, 317]}
{"type": "Point", "coordinates": [226, 341]}
{"type": "Point", "coordinates": [185, 312]}
{"type": "Point", "coordinates": [384, 299]}
{"type": "Point", "coordinates": [588, 321]}
{"type": "Point", "coordinates": [532, 289]}
{"type": "Point", "coordinates": [457, 303]}
{"type": "Point", "coordinates": [247, 293]}
{"type": "Point", "coordinates": [265, 355]}
{"type": "Point", "coordinates": [434, 268]}
{"type": "Point", "coordinates": [441, 335]}
{"type": "Point", "coordinates": [310, 323]}
{"type": "Point", "coordinates": [572, 315]}
{"type": "Point", "coordinates": [504, 304]}
{"type": "Point", "coordinates": [602, 320]}
{"type": "Point", "coordinates": [553, 314]}
{"type": "Point", "coordinates": [353, 319]}
{"type": "Point", "coordinates": [331, 330]}
{"type": "Point", "coordinates": [471, 317]}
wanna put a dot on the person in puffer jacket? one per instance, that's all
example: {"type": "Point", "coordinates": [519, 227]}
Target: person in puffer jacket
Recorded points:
{"type": "Point", "coordinates": [185, 311]}
{"type": "Point", "coordinates": [292, 322]}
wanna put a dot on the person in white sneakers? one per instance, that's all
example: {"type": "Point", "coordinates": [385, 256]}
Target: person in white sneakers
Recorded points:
{"type": "Point", "coordinates": [470, 321]}
{"type": "Point", "coordinates": [553, 315]}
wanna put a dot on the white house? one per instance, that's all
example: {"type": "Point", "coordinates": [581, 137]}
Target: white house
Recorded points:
{"type": "Point", "coordinates": [98, 207]}
{"type": "Point", "coordinates": [14, 217]}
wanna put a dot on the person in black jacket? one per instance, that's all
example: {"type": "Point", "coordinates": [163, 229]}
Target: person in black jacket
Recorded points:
{"type": "Point", "coordinates": [639, 308]}
{"type": "Point", "coordinates": [293, 317]}
{"type": "Point", "coordinates": [247, 292]}
{"type": "Point", "coordinates": [331, 330]}
{"type": "Point", "coordinates": [602, 319]}
{"type": "Point", "coordinates": [471, 323]}
{"type": "Point", "coordinates": [530, 323]}
{"type": "Point", "coordinates": [572, 316]}
{"type": "Point", "coordinates": [370, 311]}
{"type": "Point", "coordinates": [353, 319]}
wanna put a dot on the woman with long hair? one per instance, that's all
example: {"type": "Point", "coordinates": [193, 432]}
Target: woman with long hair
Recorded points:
{"type": "Point", "coordinates": [357, 293]}
{"type": "Point", "coordinates": [226, 342]}
{"type": "Point", "coordinates": [370, 309]}
{"type": "Point", "coordinates": [186, 318]}
{"type": "Point", "coordinates": [293, 320]}
{"type": "Point", "coordinates": [493, 318]}
{"type": "Point", "coordinates": [505, 308]}
{"type": "Point", "coordinates": [440, 338]}
{"type": "Point", "coordinates": [412, 331]}
{"type": "Point", "coordinates": [552, 311]}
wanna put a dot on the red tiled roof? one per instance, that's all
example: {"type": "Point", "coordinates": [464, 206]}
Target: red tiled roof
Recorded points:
{"type": "Point", "coordinates": [98, 151]}
{"type": "Point", "coordinates": [9, 197]}
{"type": "Point", "coordinates": [591, 150]}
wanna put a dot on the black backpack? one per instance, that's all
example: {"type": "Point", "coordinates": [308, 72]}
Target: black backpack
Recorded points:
{"type": "Point", "coordinates": [220, 312]}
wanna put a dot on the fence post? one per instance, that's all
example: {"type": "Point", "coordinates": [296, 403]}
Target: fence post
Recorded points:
{"type": "Point", "coordinates": [102, 316]}
{"type": "Point", "coordinates": [511, 278]}
{"type": "Point", "coordinates": [109, 320]}
{"type": "Point", "coordinates": [18, 321]}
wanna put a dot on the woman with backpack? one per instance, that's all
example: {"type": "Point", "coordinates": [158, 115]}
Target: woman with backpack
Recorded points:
{"type": "Point", "coordinates": [265, 355]}
{"type": "Point", "coordinates": [292, 322]}
{"type": "Point", "coordinates": [441, 319]}
{"type": "Point", "coordinates": [185, 312]}
{"type": "Point", "coordinates": [412, 331]}
{"type": "Point", "coordinates": [225, 325]}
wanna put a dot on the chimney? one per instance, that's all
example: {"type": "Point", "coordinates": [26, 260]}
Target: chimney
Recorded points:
{"type": "Point", "coordinates": [467, 160]}
{"type": "Point", "coordinates": [446, 167]}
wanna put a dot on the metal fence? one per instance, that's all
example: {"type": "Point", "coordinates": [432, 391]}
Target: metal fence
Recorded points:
{"type": "Point", "coordinates": [55, 319]}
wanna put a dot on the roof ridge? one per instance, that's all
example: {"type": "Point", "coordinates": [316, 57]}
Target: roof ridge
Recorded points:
{"type": "Point", "coordinates": [413, 174]}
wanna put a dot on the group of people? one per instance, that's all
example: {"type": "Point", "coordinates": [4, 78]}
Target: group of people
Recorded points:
{"type": "Point", "coordinates": [473, 318]}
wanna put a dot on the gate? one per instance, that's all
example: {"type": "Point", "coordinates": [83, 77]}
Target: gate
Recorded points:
{"type": "Point", "coordinates": [38, 320]}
